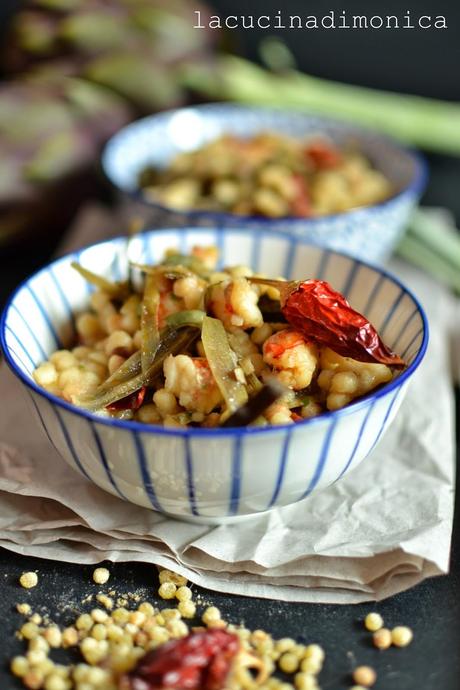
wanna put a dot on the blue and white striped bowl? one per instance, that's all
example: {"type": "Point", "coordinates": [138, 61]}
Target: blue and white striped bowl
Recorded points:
{"type": "Point", "coordinates": [211, 475]}
{"type": "Point", "coordinates": [369, 233]}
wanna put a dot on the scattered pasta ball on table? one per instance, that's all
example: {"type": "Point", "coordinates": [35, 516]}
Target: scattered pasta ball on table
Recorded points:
{"type": "Point", "coordinates": [101, 576]}
{"type": "Point", "coordinates": [373, 621]}
{"type": "Point", "coordinates": [382, 638]}
{"type": "Point", "coordinates": [364, 675]}
{"type": "Point", "coordinates": [401, 636]}
{"type": "Point", "coordinates": [28, 580]}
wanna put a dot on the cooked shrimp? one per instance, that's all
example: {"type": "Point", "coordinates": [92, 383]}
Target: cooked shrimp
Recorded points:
{"type": "Point", "coordinates": [293, 358]}
{"type": "Point", "coordinates": [235, 304]}
{"type": "Point", "coordinates": [343, 378]}
{"type": "Point", "coordinates": [192, 382]}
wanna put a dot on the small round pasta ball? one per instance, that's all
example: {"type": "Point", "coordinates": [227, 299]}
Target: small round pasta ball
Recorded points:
{"type": "Point", "coordinates": [46, 374]}
{"type": "Point", "coordinates": [311, 665]}
{"type": "Point", "coordinates": [183, 593]}
{"type": "Point", "coordinates": [53, 636]}
{"type": "Point", "coordinates": [114, 363]}
{"type": "Point", "coordinates": [99, 631]}
{"type": "Point", "coordinates": [81, 351]}
{"type": "Point", "coordinates": [166, 402]}
{"type": "Point", "coordinates": [99, 615]}
{"type": "Point", "coordinates": [305, 681]}
{"type": "Point", "coordinates": [211, 615]}
{"type": "Point", "coordinates": [401, 636]}
{"type": "Point", "coordinates": [36, 656]}
{"type": "Point", "coordinates": [382, 638]}
{"type": "Point", "coordinates": [373, 621]}
{"type": "Point", "coordinates": [177, 629]}
{"type": "Point", "coordinates": [335, 401]}
{"type": "Point", "coordinates": [187, 609]}
{"type": "Point", "coordinates": [69, 637]}
{"type": "Point", "coordinates": [29, 631]}
{"type": "Point", "coordinates": [120, 616]}
{"type": "Point", "coordinates": [146, 608]}
{"type": "Point", "coordinates": [284, 644]}
{"type": "Point", "coordinates": [98, 357]}
{"type": "Point", "coordinates": [169, 576]}
{"type": "Point", "coordinates": [130, 314]}
{"type": "Point", "coordinates": [84, 622]}
{"type": "Point", "coordinates": [19, 666]}
{"type": "Point", "coordinates": [167, 590]}
{"type": "Point", "coordinates": [171, 615]}
{"type": "Point", "coordinates": [89, 328]}
{"type": "Point", "coordinates": [137, 618]}
{"type": "Point", "coordinates": [324, 379]}
{"type": "Point", "coordinates": [314, 651]}
{"type": "Point", "coordinates": [63, 359]}
{"type": "Point", "coordinates": [55, 682]}
{"type": "Point", "coordinates": [119, 343]}
{"type": "Point", "coordinates": [101, 576]}
{"type": "Point", "coordinates": [33, 679]}
{"type": "Point", "coordinates": [288, 662]}
{"type": "Point", "coordinates": [28, 580]}
{"type": "Point", "coordinates": [364, 675]}
{"type": "Point", "coordinates": [345, 382]}
{"type": "Point", "coordinates": [148, 414]}
{"type": "Point", "coordinates": [77, 381]}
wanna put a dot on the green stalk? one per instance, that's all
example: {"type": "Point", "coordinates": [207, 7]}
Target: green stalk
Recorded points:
{"type": "Point", "coordinates": [424, 122]}
{"type": "Point", "coordinates": [423, 256]}
{"type": "Point", "coordinates": [436, 234]}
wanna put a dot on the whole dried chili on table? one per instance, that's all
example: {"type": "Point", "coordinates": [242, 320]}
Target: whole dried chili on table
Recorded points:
{"type": "Point", "coordinates": [200, 661]}
{"type": "Point", "coordinates": [321, 314]}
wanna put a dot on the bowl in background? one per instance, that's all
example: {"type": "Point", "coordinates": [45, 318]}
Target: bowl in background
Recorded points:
{"type": "Point", "coordinates": [211, 475]}
{"type": "Point", "coordinates": [369, 233]}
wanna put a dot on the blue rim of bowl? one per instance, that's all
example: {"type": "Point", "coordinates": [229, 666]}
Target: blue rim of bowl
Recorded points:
{"type": "Point", "coordinates": [415, 187]}
{"type": "Point", "coordinates": [217, 432]}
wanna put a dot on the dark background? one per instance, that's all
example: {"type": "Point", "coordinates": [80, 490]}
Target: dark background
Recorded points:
{"type": "Point", "coordinates": [424, 62]}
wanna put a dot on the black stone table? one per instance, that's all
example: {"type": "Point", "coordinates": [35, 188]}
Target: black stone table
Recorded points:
{"type": "Point", "coordinates": [432, 609]}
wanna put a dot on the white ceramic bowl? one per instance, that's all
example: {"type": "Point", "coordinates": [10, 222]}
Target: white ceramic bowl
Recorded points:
{"type": "Point", "coordinates": [369, 233]}
{"type": "Point", "coordinates": [211, 475]}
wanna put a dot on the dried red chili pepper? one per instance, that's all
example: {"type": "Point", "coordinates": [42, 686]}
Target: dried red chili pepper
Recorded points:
{"type": "Point", "coordinates": [200, 661]}
{"type": "Point", "coordinates": [130, 402]}
{"type": "Point", "coordinates": [323, 155]}
{"type": "Point", "coordinates": [324, 315]}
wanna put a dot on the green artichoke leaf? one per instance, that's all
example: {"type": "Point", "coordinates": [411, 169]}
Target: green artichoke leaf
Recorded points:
{"type": "Point", "coordinates": [56, 156]}
{"type": "Point", "coordinates": [172, 35]}
{"type": "Point", "coordinates": [146, 83]}
{"type": "Point", "coordinates": [93, 31]}
{"type": "Point", "coordinates": [60, 5]}
{"type": "Point", "coordinates": [35, 33]}
{"type": "Point", "coordinates": [25, 121]}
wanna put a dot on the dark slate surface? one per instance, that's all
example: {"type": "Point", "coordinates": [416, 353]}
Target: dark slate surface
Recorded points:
{"type": "Point", "coordinates": [432, 609]}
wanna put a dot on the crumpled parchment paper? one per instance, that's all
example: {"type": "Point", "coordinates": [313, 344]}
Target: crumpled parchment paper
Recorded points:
{"type": "Point", "coordinates": [380, 530]}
